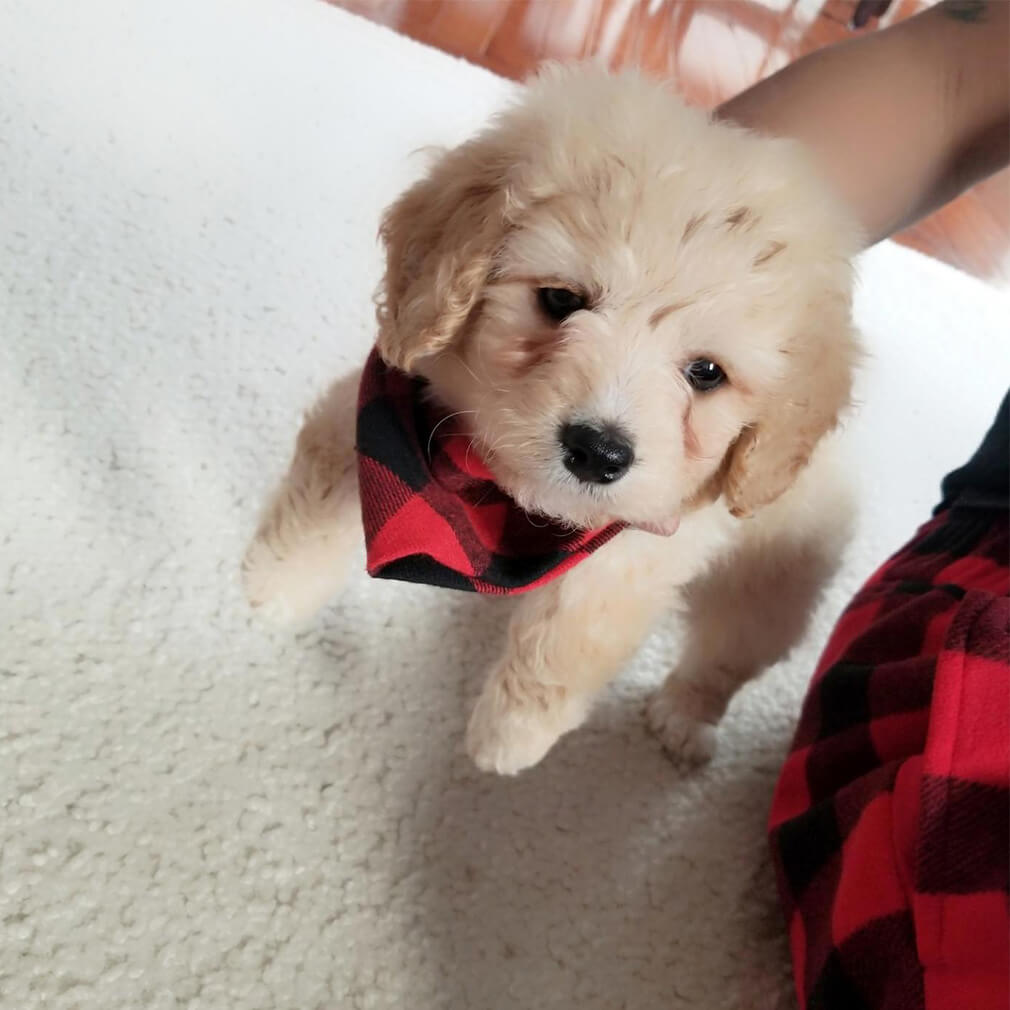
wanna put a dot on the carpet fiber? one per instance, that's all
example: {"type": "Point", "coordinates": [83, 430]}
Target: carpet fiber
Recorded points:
{"type": "Point", "coordinates": [203, 812]}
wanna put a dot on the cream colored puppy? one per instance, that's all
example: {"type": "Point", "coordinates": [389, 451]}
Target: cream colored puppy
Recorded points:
{"type": "Point", "coordinates": [646, 316]}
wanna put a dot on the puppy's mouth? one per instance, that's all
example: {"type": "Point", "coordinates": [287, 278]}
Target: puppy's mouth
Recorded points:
{"type": "Point", "coordinates": [581, 507]}
{"type": "Point", "coordinates": [667, 528]}
{"type": "Point", "coordinates": [554, 493]}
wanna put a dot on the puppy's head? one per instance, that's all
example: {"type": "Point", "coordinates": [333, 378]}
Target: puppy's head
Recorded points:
{"type": "Point", "coordinates": [638, 309]}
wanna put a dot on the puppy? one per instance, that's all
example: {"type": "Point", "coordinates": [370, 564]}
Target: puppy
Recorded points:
{"type": "Point", "coordinates": [641, 316]}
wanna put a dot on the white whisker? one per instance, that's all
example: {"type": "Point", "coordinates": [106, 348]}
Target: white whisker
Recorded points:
{"type": "Point", "coordinates": [466, 455]}
{"type": "Point", "coordinates": [448, 417]}
{"type": "Point", "coordinates": [476, 377]}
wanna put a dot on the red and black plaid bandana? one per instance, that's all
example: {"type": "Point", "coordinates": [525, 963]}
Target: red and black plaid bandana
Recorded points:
{"type": "Point", "coordinates": [431, 509]}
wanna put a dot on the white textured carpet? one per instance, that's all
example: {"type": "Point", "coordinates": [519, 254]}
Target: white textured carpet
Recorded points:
{"type": "Point", "coordinates": [202, 812]}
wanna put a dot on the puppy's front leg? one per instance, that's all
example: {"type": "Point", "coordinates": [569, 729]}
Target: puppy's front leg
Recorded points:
{"type": "Point", "coordinates": [565, 642]}
{"type": "Point", "coordinates": [746, 613]}
{"type": "Point", "coordinates": [300, 555]}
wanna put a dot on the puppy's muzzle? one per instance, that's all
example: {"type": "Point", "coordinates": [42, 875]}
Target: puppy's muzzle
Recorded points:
{"type": "Point", "coordinates": [596, 454]}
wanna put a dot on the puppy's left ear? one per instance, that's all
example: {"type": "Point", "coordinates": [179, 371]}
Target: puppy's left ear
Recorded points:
{"type": "Point", "coordinates": [814, 390]}
{"type": "Point", "coordinates": [440, 238]}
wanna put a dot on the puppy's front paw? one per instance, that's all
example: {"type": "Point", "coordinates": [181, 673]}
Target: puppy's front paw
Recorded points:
{"type": "Point", "coordinates": [288, 575]}
{"type": "Point", "coordinates": [515, 723]}
{"type": "Point", "coordinates": [275, 589]}
{"type": "Point", "coordinates": [687, 738]}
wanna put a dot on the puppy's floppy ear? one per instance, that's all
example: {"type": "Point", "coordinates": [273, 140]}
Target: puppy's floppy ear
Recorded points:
{"type": "Point", "coordinates": [440, 238]}
{"type": "Point", "coordinates": [815, 389]}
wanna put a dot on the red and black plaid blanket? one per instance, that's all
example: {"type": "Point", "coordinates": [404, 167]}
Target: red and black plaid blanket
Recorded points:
{"type": "Point", "coordinates": [431, 509]}
{"type": "Point", "coordinates": [889, 824]}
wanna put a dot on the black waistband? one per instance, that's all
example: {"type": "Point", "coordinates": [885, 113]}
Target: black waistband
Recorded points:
{"type": "Point", "coordinates": [984, 481]}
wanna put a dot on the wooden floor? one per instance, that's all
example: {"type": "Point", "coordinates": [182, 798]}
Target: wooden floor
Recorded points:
{"type": "Point", "coordinates": [713, 49]}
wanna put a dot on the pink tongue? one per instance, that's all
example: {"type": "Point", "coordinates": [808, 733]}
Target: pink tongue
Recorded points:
{"type": "Point", "coordinates": [664, 529]}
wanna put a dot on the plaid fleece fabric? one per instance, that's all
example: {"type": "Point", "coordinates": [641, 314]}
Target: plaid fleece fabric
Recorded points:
{"type": "Point", "coordinates": [431, 509]}
{"type": "Point", "coordinates": [889, 825]}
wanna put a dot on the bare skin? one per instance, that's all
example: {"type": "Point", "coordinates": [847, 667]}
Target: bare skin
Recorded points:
{"type": "Point", "coordinates": [900, 121]}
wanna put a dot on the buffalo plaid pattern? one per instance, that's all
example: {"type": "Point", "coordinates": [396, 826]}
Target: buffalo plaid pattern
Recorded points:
{"type": "Point", "coordinates": [889, 825]}
{"type": "Point", "coordinates": [431, 509]}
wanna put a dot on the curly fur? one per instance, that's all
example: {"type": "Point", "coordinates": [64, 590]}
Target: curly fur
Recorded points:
{"type": "Point", "coordinates": [689, 239]}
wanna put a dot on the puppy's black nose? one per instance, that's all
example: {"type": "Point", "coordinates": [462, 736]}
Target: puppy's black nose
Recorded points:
{"type": "Point", "coordinates": [596, 455]}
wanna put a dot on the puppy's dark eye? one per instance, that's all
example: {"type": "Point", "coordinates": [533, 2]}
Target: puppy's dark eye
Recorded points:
{"type": "Point", "coordinates": [559, 303]}
{"type": "Point", "coordinates": [704, 375]}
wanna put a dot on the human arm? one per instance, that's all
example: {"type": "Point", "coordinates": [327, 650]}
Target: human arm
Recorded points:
{"type": "Point", "coordinates": [900, 121]}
